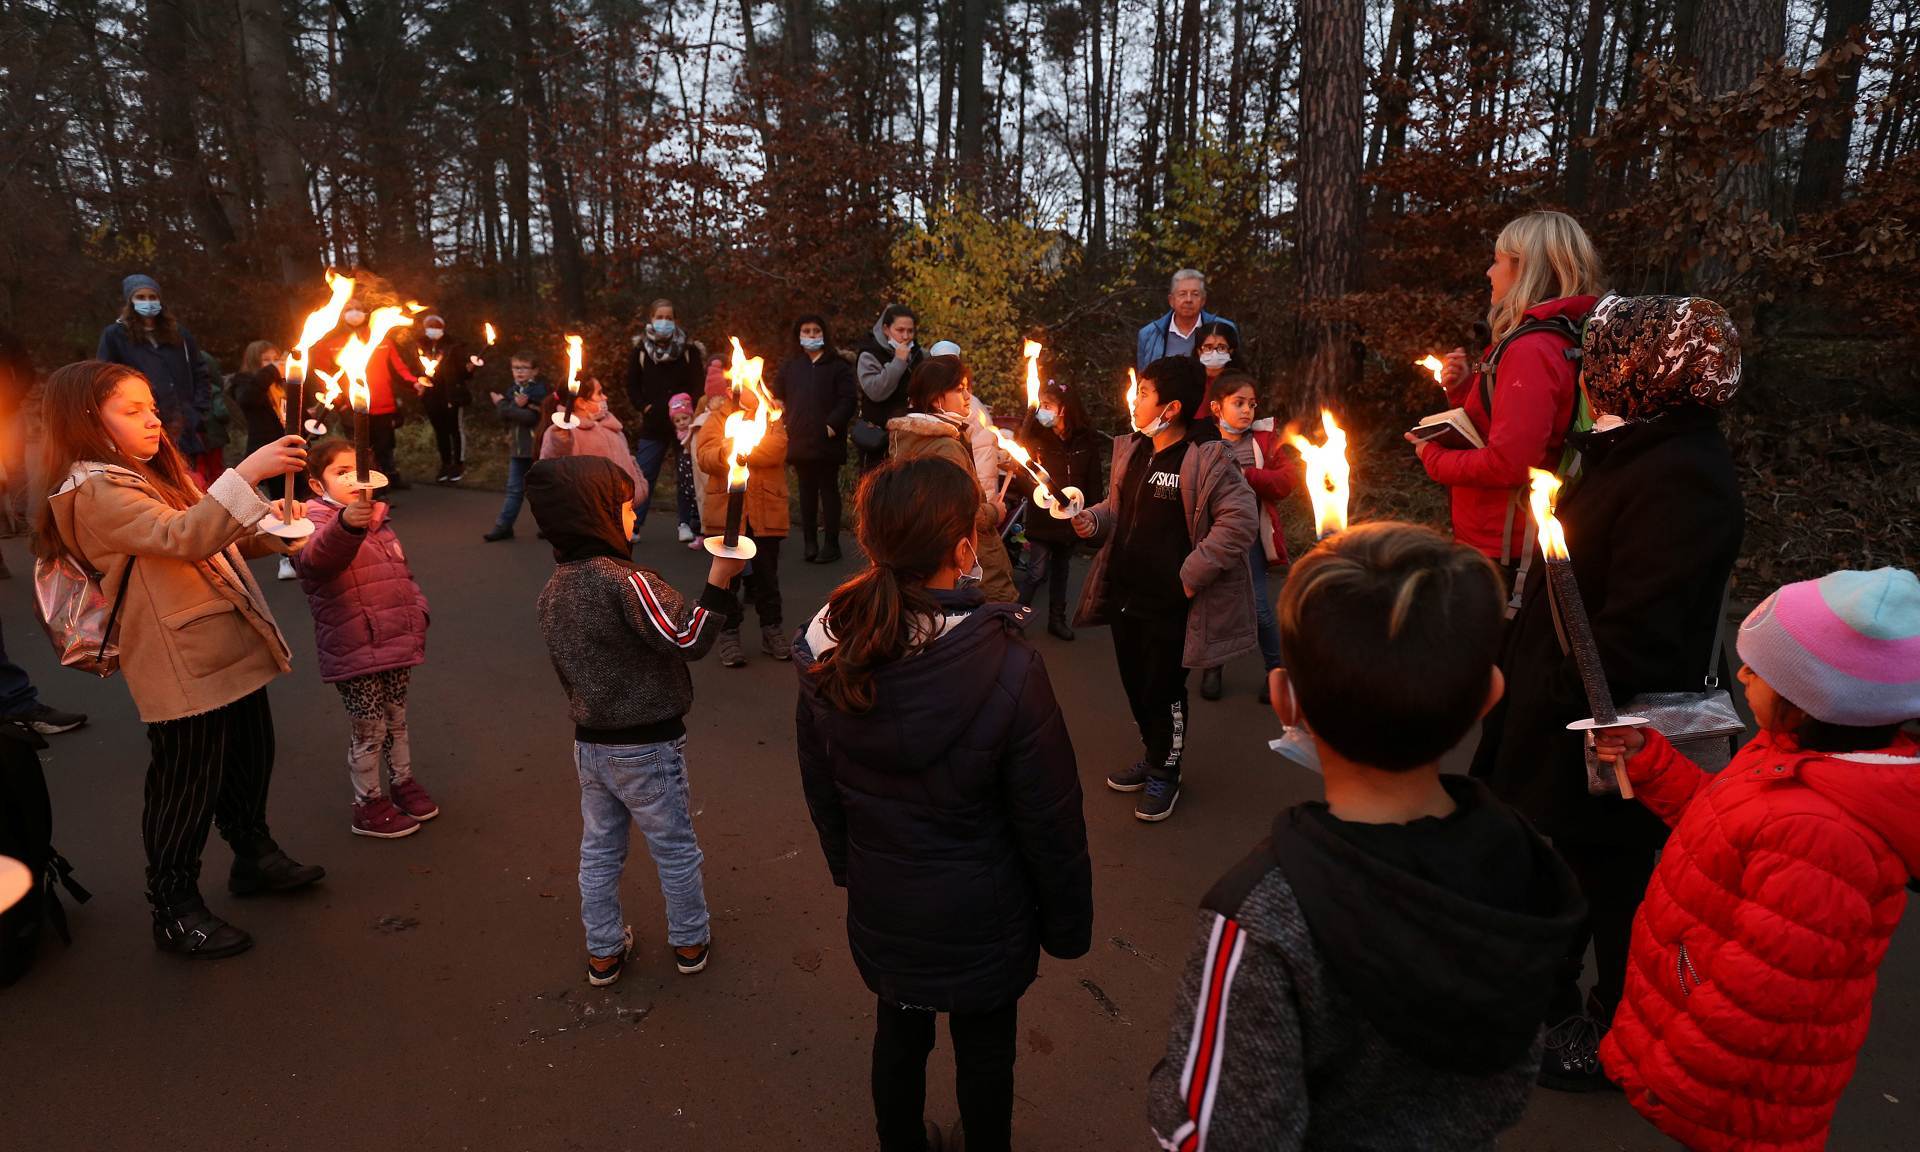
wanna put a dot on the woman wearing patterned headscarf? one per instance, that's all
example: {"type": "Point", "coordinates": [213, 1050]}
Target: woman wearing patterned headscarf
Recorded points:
{"type": "Point", "coordinates": [1653, 520]}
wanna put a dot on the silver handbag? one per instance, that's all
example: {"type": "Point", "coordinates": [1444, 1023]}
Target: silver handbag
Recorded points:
{"type": "Point", "coordinates": [79, 618]}
{"type": "Point", "coordinates": [1702, 726]}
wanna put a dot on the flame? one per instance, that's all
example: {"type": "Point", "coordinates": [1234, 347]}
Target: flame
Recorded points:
{"type": "Point", "coordinates": [491, 334]}
{"type": "Point", "coordinates": [1043, 483]}
{"type": "Point", "coordinates": [1327, 474]}
{"type": "Point", "coordinates": [1434, 365]}
{"type": "Point", "coordinates": [576, 351]}
{"type": "Point", "coordinates": [1133, 392]}
{"type": "Point", "coordinates": [359, 395]}
{"type": "Point", "coordinates": [744, 432]}
{"type": "Point", "coordinates": [428, 364]}
{"type": "Point", "coordinates": [356, 352]}
{"type": "Point", "coordinates": [414, 308]}
{"type": "Point", "coordinates": [1031, 351]}
{"type": "Point", "coordinates": [1553, 540]}
{"type": "Point", "coordinates": [326, 399]}
{"type": "Point", "coordinates": [324, 319]}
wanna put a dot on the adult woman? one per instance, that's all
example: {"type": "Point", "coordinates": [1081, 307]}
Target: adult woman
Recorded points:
{"type": "Point", "coordinates": [1063, 442]}
{"type": "Point", "coordinates": [815, 385]}
{"type": "Point", "coordinates": [940, 777]}
{"type": "Point", "coordinates": [663, 364]}
{"type": "Point", "coordinates": [446, 396]}
{"type": "Point", "coordinates": [941, 401]}
{"type": "Point", "coordinates": [1654, 524]}
{"type": "Point", "coordinates": [1545, 277]}
{"type": "Point", "coordinates": [147, 339]}
{"type": "Point", "coordinates": [198, 645]}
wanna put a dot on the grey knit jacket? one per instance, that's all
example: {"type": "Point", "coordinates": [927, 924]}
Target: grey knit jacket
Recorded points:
{"type": "Point", "coordinates": [621, 638]}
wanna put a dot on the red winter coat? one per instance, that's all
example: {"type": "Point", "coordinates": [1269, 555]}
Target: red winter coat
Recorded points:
{"type": "Point", "coordinates": [368, 613]}
{"type": "Point", "coordinates": [1533, 395]}
{"type": "Point", "coordinates": [1272, 470]}
{"type": "Point", "coordinates": [383, 367]}
{"type": "Point", "coordinates": [1754, 955]}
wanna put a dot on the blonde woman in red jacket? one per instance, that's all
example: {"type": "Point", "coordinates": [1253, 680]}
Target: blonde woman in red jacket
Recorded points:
{"type": "Point", "coordinates": [1545, 278]}
{"type": "Point", "coordinates": [1751, 974]}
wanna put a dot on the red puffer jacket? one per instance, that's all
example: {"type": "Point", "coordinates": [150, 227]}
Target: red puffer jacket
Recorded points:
{"type": "Point", "coordinates": [1754, 955]}
{"type": "Point", "coordinates": [368, 613]}
{"type": "Point", "coordinates": [1533, 393]}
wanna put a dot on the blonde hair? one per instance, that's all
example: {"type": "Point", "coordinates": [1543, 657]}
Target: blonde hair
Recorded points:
{"type": "Point", "coordinates": [250, 359]}
{"type": "Point", "coordinates": [1556, 259]}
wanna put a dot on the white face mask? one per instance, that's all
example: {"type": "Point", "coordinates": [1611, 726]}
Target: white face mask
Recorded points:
{"type": "Point", "coordinates": [662, 328]}
{"type": "Point", "coordinates": [147, 308]}
{"type": "Point", "coordinates": [812, 343]}
{"type": "Point", "coordinates": [435, 333]}
{"type": "Point", "coordinates": [1158, 426]}
{"type": "Point", "coordinates": [1215, 359]}
{"type": "Point", "coordinates": [354, 316]}
{"type": "Point", "coordinates": [1046, 417]}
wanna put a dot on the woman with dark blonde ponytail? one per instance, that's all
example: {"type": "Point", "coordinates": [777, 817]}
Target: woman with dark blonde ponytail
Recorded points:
{"type": "Point", "coordinates": [941, 779]}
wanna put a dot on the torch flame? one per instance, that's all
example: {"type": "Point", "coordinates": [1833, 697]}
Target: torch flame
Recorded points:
{"type": "Point", "coordinates": [744, 432]}
{"type": "Point", "coordinates": [324, 319]}
{"type": "Point", "coordinates": [356, 352]}
{"type": "Point", "coordinates": [1546, 486]}
{"type": "Point", "coordinates": [576, 351]}
{"type": "Point", "coordinates": [428, 364]}
{"type": "Point", "coordinates": [1434, 365]}
{"type": "Point", "coordinates": [491, 334]}
{"type": "Point", "coordinates": [1031, 351]}
{"type": "Point", "coordinates": [1327, 474]}
{"type": "Point", "coordinates": [326, 399]}
{"type": "Point", "coordinates": [1133, 391]}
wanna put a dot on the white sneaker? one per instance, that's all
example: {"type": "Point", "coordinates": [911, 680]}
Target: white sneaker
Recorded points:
{"type": "Point", "coordinates": [286, 568]}
{"type": "Point", "coordinates": [686, 534]}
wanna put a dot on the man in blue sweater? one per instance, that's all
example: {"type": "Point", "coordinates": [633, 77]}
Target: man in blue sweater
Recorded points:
{"type": "Point", "coordinates": [1172, 334]}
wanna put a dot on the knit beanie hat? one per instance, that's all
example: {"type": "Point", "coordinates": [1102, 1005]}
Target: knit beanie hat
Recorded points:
{"type": "Point", "coordinates": [716, 379]}
{"type": "Point", "coordinates": [944, 348]}
{"type": "Point", "coordinates": [680, 405]}
{"type": "Point", "coordinates": [136, 282]}
{"type": "Point", "coordinates": [1844, 649]}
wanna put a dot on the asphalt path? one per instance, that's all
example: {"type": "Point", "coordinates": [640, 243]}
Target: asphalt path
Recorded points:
{"type": "Point", "coordinates": [428, 994]}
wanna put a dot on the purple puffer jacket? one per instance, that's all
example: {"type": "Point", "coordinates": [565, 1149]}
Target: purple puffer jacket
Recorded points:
{"type": "Point", "coordinates": [368, 614]}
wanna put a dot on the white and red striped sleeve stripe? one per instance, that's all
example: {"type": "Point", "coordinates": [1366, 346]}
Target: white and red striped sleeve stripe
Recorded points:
{"type": "Point", "coordinates": [1200, 1077]}
{"type": "Point", "coordinates": [680, 636]}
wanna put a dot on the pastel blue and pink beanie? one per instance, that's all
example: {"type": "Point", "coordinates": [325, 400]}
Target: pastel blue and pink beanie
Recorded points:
{"type": "Point", "coordinates": [1845, 648]}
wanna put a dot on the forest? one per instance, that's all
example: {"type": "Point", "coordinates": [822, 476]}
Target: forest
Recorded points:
{"type": "Point", "coordinates": [1338, 168]}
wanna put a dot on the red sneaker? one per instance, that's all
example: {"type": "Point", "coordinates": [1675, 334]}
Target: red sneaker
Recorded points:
{"type": "Point", "coordinates": [380, 819]}
{"type": "Point", "coordinates": [411, 798]}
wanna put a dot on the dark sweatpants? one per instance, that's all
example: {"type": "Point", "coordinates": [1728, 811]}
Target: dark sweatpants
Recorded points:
{"type": "Point", "coordinates": [760, 585]}
{"type": "Point", "coordinates": [1150, 652]}
{"type": "Point", "coordinates": [983, 1055]}
{"type": "Point", "coordinates": [215, 768]}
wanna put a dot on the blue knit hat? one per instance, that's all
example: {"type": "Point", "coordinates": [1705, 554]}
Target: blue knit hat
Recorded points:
{"type": "Point", "coordinates": [136, 282]}
{"type": "Point", "coordinates": [1844, 648]}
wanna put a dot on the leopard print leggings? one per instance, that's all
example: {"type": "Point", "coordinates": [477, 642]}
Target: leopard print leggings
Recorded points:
{"type": "Point", "coordinates": [377, 717]}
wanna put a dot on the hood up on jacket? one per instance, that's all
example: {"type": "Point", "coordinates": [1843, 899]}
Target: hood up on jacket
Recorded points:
{"type": "Point", "coordinates": [924, 702]}
{"type": "Point", "coordinates": [1461, 985]}
{"type": "Point", "coordinates": [576, 502]}
{"type": "Point", "coordinates": [1879, 789]}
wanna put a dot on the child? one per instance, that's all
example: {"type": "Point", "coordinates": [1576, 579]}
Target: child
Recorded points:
{"type": "Point", "coordinates": [620, 637]}
{"type": "Point", "coordinates": [1270, 470]}
{"type": "Point", "coordinates": [939, 398]}
{"type": "Point", "coordinates": [705, 409]}
{"type": "Point", "coordinates": [369, 631]}
{"type": "Point", "coordinates": [1751, 973]}
{"type": "Point", "coordinates": [519, 410]}
{"type": "Point", "coordinates": [766, 519]}
{"type": "Point", "coordinates": [1171, 575]}
{"type": "Point", "coordinates": [198, 646]}
{"type": "Point", "coordinates": [686, 496]}
{"type": "Point", "coordinates": [1062, 441]}
{"type": "Point", "coordinates": [940, 775]}
{"type": "Point", "coordinates": [599, 433]}
{"type": "Point", "coordinates": [1377, 972]}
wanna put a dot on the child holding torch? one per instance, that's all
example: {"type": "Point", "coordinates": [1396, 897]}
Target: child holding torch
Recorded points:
{"type": "Point", "coordinates": [762, 515]}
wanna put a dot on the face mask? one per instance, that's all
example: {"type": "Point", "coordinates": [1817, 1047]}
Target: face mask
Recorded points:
{"type": "Point", "coordinates": [1236, 429]}
{"type": "Point", "coordinates": [1046, 417]}
{"type": "Point", "coordinates": [147, 307]}
{"type": "Point", "coordinates": [1215, 359]}
{"type": "Point", "coordinates": [600, 407]}
{"type": "Point", "coordinates": [436, 333]}
{"type": "Point", "coordinates": [1158, 426]}
{"type": "Point", "coordinates": [812, 343]}
{"type": "Point", "coordinates": [354, 316]}
{"type": "Point", "coordinates": [661, 328]}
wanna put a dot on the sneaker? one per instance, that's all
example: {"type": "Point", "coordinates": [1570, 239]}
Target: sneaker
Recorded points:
{"type": "Point", "coordinates": [442, 478]}
{"type": "Point", "coordinates": [411, 798]}
{"type": "Point", "coordinates": [455, 476]}
{"type": "Point", "coordinates": [695, 544]}
{"type": "Point", "coordinates": [190, 930]}
{"type": "Point", "coordinates": [48, 721]}
{"type": "Point", "coordinates": [692, 959]}
{"type": "Point", "coordinates": [286, 569]}
{"type": "Point", "coordinates": [271, 871]}
{"type": "Point", "coordinates": [380, 819]}
{"type": "Point", "coordinates": [686, 534]}
{"type": "Point", "coordinates": [1210, 684]}
{"type": "Point", "coordinates": [731, 655]}
{"type": "Point", "coordinates": [498, 533]}
{"type": "Point", "coordinates": [773, 641]}
{"type": "Point", "coordinates": [1158, 803]}
{"type": "Point", "coordinates": [1571, 1062]}
{"type": "Point", "coordinates": [1130, 779]}
{"type": "Point", "coordinates": [604, 970]}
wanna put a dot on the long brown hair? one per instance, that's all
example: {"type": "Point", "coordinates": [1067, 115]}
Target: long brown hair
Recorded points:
{"type": "Point", "coordinates": [75, 432]}
{"type": "Point", "coordinates": [909, 515]}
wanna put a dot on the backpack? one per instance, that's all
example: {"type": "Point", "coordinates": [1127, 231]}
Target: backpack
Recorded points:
{"type": "Point", "coordinates": [26, 832]}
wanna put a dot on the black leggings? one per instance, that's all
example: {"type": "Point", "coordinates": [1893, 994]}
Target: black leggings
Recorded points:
{"type": "Point", "coordinates": [760, 586]}
{"type": "Point", "coordinates": [819, 496]}
{"type": "Point", "coordinates": [983, 1055]}
{"type": "Point", "coordinates": [450, 438]}
{"type": "Point", "coordinates": [209, 768]}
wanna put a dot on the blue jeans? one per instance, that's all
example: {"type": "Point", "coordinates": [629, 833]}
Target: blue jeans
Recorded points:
{"type": "Point", "coordinates": [17, 693]}
{"type": "Point", "coordinates": [649, 455]}
{"type": "Point", "coordinates": [645, 784]}
{"type": "Point", "coordinates": [517, 469]}
{"type": "Point", "coordinates": [1263, 620]}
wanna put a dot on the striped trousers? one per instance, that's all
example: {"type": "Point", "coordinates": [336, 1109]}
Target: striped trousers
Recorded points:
{"type": "Point", "coordinates": [210, 768]}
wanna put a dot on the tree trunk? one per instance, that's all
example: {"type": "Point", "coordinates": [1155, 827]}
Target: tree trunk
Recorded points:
{"type": "Point", "coordinates": [1732, 40]}
{"type": "Point", "coordinates": [1823, 165]}
{"type": "Point", "coordinates": [1097, 145]}
{"type": "Point", "coordinates": [1333, 77]}
{"type": "Point", "coordinates": [798, 35]}
{"type": "Point", "coordinates": [972, 96]}
{"type": "Point", "coordinates": [1579, 155]}
{"type": "Point", "coordinates": [531, 94]}
{"type": "Point", "coordinates": [1146, 185]}
{"type": "Point", "coordinates": [175, 125]}
{"type": "Point", "coordinates": [270, 98]}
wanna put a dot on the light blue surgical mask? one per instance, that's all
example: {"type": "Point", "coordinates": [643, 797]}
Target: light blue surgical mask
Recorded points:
{"type": "Point", "coordinates": [812, 343]}
{"type": "Point", "coordinates": [1158, 426]}
{"type": "Point", "coordinates": [147, 307]}
{"type": "Point", "coordinates": [662, 327]}
{"type": "Point", "coordinates": [1046, 417]}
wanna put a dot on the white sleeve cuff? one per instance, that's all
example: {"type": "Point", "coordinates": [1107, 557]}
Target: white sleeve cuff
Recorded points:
{"type": "Point", "coordinates": [238, 498]}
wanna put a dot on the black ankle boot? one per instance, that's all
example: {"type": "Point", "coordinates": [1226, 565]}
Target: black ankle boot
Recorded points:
{"type": "Point", "coordinates": [810, 548]}
{"type": "Point", "coordinates": [269, 870]}
{"type": "Point", "coordinates": [186, 928]}
{"type": "Point", "coordinates": [1057, 625]}
{"type": "Point", "coordinates": [831, 552]}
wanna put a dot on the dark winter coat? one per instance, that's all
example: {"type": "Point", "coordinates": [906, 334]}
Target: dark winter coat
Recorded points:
{"type": "Point", "coordinates": [182, 386]}
{"type": "Point", "coordinates": [253, 395]}
{"type": "Point", "coordinates": [818, 397]}
{"type": "Point", "coordinates": [883, 377]}
{"type": "Point", "coordinates": [652, 385]}
{"type": "Point", "coordinates": [451, 385]}
{"type": "Point", "coordinates": [950, 813]}
{"type": "Point", "coordinates": [1654, 524]}
{"type": "Point", "coordinates": [369, 614]}
{"type": "Point", "coordinates": [1072, 462]}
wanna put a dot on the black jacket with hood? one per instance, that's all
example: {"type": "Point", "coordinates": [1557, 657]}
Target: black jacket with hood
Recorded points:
{"type": "Point", "coordinates": [950, 813]}
{"type": "Point", "coordinates": [1369, 987]}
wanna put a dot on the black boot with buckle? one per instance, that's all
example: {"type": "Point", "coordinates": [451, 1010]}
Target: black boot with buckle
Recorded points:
{"type": "Point", "coordinates": [185, 928]}
{"type": "Point", "coordinates": [265, 868]}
